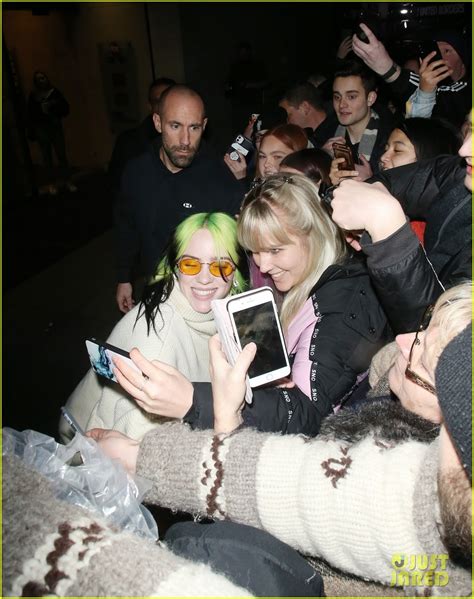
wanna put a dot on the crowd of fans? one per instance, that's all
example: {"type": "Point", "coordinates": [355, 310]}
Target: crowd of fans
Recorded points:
{"type": "Point", "coordinates": [335, 479]}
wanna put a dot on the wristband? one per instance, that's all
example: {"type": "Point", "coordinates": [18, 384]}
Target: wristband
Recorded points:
{"type": "Point", "coordinates": [391, 71]}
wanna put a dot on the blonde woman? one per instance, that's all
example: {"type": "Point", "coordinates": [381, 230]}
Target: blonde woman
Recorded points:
{"type": "Point", "coordinates": [332, 320]}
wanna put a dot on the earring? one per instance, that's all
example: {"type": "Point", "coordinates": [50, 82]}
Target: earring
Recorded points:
{"type": "Point", "coordinates": [235, 283]}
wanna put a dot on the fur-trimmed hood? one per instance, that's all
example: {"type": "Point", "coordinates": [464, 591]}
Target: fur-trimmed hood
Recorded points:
{"type": "Point", "coordinates": [384, 418]}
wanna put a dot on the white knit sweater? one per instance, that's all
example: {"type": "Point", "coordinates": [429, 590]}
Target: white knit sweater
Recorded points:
{"type": "Point", "coordinates": [181, 340]}
{"type": "Point", "coordinates": [354, 505]}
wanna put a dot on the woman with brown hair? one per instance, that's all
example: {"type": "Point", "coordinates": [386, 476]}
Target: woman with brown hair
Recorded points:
{"type": "Point", "coordinates": [277, 144]}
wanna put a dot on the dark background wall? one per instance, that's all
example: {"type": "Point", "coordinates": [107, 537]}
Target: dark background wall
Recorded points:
{"type": "Point", "coordinates": [287, 38]}
{"type": "Point", "coordinates": [191, 42]}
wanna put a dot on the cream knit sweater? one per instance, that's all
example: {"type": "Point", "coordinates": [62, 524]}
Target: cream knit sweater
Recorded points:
{"type": "Point", "coordinates": [354, 505]}
{"type": "Point", "coordinates": [53, 548]}
{"type": "Point", "coordinates": [181, 340]}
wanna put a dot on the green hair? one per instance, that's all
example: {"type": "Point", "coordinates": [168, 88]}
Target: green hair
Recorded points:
{"type": "Point", "coordinates": [223, 230]}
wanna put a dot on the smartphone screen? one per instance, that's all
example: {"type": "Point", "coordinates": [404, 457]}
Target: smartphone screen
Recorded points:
{"type": "Point", "coordinates": [100, 355]}
{"type": "Point", "coordinates": [258, 324]}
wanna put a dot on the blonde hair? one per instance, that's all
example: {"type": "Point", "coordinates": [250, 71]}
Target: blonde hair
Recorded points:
{"type": "Point", "coordinates": [451, 314]}
{"type": "Point", "coordinates": [284, 206]}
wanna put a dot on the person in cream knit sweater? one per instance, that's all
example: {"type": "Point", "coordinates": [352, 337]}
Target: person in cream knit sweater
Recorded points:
{"type": "Point", "coordinates": [383, 494]}
{"type": "Point", "coordinates": [173, 323]}
{"type": "Point", "coordinates": [376, 494]}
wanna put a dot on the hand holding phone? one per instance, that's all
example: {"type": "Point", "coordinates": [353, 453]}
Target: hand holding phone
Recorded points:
{"type": "Point", "coordinates": [241, 145]}
{"type": "Point", "coordinates": [254, 317]}
{"type": "Point", "coordinates": [100, 355]}
{"type": "Point", "coordinates": [427, 47]}
{"type": "Point", "coordinates": [433, 70]}
{"type": "Point", "coordinates": [343, 151]}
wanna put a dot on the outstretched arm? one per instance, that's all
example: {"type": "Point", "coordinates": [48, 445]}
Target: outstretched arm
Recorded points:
{"type": "Point", "coordinates": [375, 55]}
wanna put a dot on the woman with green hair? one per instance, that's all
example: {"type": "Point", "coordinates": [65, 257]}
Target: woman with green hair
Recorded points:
{"type": "Point", "coordinates": [171, 325]}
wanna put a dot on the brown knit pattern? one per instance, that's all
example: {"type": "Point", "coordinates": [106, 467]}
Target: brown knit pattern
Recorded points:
{"type": "Point", "coordinates": [57, 559]}
{"type": "Point", "coordinates": [211, 499]}
{"type": "Point", "coordinates": [337, 469]}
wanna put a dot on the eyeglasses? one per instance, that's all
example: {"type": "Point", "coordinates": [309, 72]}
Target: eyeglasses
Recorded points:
{"type": "Point", "coordinates": [412, 376]}
{"type": "Point", "coordinates": [217, 268]}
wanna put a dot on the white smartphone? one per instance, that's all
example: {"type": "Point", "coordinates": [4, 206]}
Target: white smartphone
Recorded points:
{"type": "Point", "coordinates": [100, 355]}
{"type": "Point", "coordinates": [254, 317]}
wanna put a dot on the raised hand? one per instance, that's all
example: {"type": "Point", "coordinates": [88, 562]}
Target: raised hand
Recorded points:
{"type": "Point", "coordinates": [161, 389]}
{"type": "Point", "coordinates": [432, 72]}
{"type": "Point", "coordinates": [372, 52]}
{"type": "Point", "coordinates": [228, 384]}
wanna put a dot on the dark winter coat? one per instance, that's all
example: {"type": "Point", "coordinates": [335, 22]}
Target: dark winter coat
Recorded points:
{"type": "Point", "coordinates": [407, 277]}
{"type": "Point", "coordinates": [351, 327]}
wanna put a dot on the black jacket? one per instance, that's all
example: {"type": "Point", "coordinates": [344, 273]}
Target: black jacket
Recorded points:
{"type": "Point", "coordinates": [407, 277]}
{"type": "Point", "coordinates": [453, 101]}
{"type": "Point", "coordinates": [352, 328]}
{"type": "Point", "coordinates": [153, 201]}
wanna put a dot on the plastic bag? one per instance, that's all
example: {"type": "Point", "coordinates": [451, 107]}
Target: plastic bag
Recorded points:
{"type": "Point", "coordinates": [99, 484]}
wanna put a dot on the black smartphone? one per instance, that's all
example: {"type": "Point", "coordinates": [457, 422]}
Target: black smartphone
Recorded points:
{"type": "Point", "coordinates": [361, 35]}
{"type": "Point", "coordinates": [426, 47]}
{"type": "Point", "coordinates": [372, 23]}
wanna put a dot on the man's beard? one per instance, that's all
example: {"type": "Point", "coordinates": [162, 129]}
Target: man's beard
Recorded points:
{"type": "Point", "coordinates": [180, 160]}
{"type": "Point", "coordinates": [456, 515]}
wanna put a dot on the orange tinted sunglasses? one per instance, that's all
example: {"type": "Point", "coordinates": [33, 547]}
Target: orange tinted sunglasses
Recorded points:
{"type": "Point", "coordinates": [217, 268]}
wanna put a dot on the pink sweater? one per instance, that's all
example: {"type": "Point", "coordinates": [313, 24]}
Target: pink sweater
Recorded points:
{"type": "Point", "coordinates": [298, 340]}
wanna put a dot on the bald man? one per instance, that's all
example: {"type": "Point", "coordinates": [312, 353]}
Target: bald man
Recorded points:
{"type": "Point", "coordinates": [175, 178]}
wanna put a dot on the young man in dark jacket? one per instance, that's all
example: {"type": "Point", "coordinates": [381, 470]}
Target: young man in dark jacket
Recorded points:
{"type": "Point", "coordinates": [160, 188]}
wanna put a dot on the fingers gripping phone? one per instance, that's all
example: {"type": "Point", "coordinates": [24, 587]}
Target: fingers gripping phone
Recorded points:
{"type": "Point", "coordinates": [254, 317]}
{"type": "Point", "coordinates": [343, 151]}
{"type": "Point", "coordinates": [100, 355]}
{"type": "Point", "coordinates": [240, 144]}
{"type": "Point", "coordinates": [428, 46]}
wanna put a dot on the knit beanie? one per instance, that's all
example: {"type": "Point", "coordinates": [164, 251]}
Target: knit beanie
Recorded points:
{"type": "Point", "coordinates": [458, 42]}
{"type": "Point", "coordinates": [270, 118]}
{"type": "Point", "coordinates": [454, 389]}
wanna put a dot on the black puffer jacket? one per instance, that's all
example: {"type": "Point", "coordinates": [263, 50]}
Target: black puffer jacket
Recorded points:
{"type": "Point", "coordinates": [351, 329]}
{"type": "Point", "coordinates": [407, 277]}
